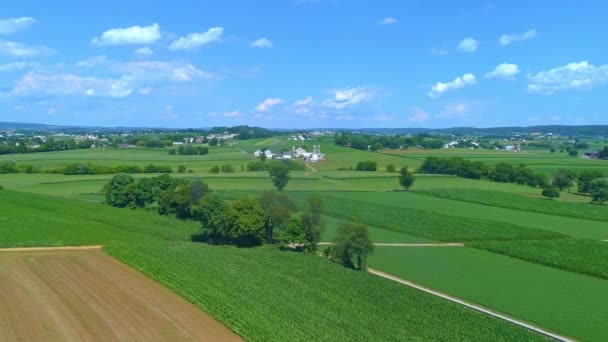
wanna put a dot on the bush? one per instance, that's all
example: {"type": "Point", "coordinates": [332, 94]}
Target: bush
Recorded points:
{"type": "Point", "coordinates": [550, 192]}
{"type": "Point", "coordinates": [367, 166]}
{"type": "Point", "coordinates": [257, 166]}
{"type": "Point", "coordinates": [391, 168]}
{"type": "Point", "coordinates": [573, 153]}
{"type": "Point", "coordinates": [227, 168]}
{"type": "Point", "coordinates": [181, 168]}
{"type": "Point", "coordinates": [1, 187]}
{"type": "Point", "coordinates": [172, 152]}
{"type": "Point", "coordinates": [214, 169]}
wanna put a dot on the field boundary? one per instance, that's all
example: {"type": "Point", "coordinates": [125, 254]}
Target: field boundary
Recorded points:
{"type": "Point", "coordinates": [42, 249]}
{"type": "Point", "coordinates": [472, 306]}
{"type": "Point", "coordinates": [380, 244]}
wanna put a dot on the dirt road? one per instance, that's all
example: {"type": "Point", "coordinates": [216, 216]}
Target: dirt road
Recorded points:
{"type": "Point", "coordinates": [85, 295]}
{"type": "Point", "coordinates": [380, 244]}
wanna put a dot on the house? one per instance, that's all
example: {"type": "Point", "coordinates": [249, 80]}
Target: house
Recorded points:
{"type": "Point", "coordinates": [592, 154]}
{"type": "Point", "coordinates": [300, 152]}
{"type": "Point", "coordinates": [513, 148]}
{"type": "Point", "coordinates": [257, 153]}
{"type": "Point", "coordinates": [177, 143]}
{"type": "Point", "coordinates": [268, 154]}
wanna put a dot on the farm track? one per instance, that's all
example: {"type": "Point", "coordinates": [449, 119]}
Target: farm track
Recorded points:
{"type": "Point", "coordinates": [85, 295]}
{"type": "Point", "coordinates": [472, 306]}
{"type": "Point", "coordinates": [36, 249]}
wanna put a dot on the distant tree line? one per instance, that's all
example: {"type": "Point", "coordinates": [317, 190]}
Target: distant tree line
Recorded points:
{"type": "Point", "coordinates": [50, 145]}
{"type": "Point", "coordinates": [83, 169]}
{"type": "Point", "coordinates": [374, 143]}
{"type": "Point", "coordinates": [190, 150]}
{"type": "Point", "coordinates": [270, 218]}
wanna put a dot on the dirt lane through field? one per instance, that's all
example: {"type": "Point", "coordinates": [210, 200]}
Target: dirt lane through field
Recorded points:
{"type": "Point", "coordinates": [85, 295]}
{"type": "Point", "coordinates": [449, 244]}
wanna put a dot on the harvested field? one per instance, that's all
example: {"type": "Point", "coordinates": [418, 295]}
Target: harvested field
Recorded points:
{"type": "Point", "coordinates": [85, 295]}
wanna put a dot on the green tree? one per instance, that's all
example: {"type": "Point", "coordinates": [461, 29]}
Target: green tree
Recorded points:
{"type": "Point", "coordinates": [391, 168]}
{"type": "Point", "coordinates": [352, 245]}
{"type": "Point", "coordinates": [214, 169]}
{"type": "Point", "coordinates": [279, 173]}
{"type": "Point", "coordinates": [563, 179]}
{"type": "Point", "coordinates": [585, 177]}
{"type": "Point", "coordinates": [118, 190]}
{"type": "Point", "coordinates": [227, 168]}
{"type": "Point", "coordinates": [249, 222]}
{"type": "Point", "coordinates": [181, 168]}
{"type": "Point", "coordinates": [603, 153]}
{"type": "Point", "coordinates": [573, 153]}
{"type": "Point", "coordinates": [406, 178]}
{"type": "Point", "coordinates": [278, 209]}
{"type": "Point", "coordinates": [214, 142]}
{"type": "Point", "coordinates": [550, 192]}
{"type": "Point", "coordinates": [172, 152]}
{"type": "Point", "coordinates": [368, 165]}
{"type": "Point", "coordinates": [599, 190]}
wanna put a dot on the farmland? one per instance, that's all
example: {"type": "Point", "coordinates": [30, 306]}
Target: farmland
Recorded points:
{"type": "Point", "coordinates": [541, 261]}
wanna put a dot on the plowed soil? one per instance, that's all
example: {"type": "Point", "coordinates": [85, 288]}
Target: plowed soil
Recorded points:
{"type": "Point", "coordinates": [85, 295]}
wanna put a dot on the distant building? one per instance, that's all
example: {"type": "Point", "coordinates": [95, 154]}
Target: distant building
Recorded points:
{"type": "Point", "coordinates": [592, 154]}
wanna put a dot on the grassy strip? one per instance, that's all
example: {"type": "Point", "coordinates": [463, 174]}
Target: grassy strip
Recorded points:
{"type": "Point", "coordinates": [427, 224]}
{"type": "Point", "coordinates": [32, 220]}
{"type": "Point", "coordinates": [513, 201]}
{"type": "Point", "coordinates": [266, 295]}
{"type": "Point", "coordinates": [581, 256]}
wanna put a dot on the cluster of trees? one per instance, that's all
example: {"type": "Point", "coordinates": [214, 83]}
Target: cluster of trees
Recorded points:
{"type": "Point", "coordinates": [83, 169]}
{"type": "Point", "coordinates": [244, 132]}
{"type": "Point", "coordinates": [368, 165]}
{"type": "Point", "coordinates": [351, 246]}
{"type": "Point", "coordinates": [225, 168]}
{"type": "Point", "coordinates": [501, 172]}
{"type": "Point", "coordinates": [265, 165]}
{"type": "Point", "coordinates": [374, 143]}
{"type": "Point", "coordinates": [190, 150]}
{"type": "Point", "coordinates": [47, 146]}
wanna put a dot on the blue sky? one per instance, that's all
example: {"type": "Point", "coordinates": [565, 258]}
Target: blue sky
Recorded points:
{"type": "Point", "coordinates": [304, 63]}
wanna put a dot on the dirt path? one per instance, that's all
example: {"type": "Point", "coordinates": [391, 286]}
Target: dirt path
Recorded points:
{"type": "Point", "coordinates": [85, 295]}
{"type": "Point", "coordinates": [472, 306]}
{"type": "Point", "coordinates": [449, 244]}
{"type": "Point", "coordinates": [35, 249]}
{"type": "Point", "coordinates": [312, 169]}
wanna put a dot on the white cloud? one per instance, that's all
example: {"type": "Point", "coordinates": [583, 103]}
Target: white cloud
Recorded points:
{"type": "Point", "coordinates": [418, 115]}
{"type": "Point", "coordinates": [22, 50]}
{"type": "Point", "coordinates": [144, 51]}
{"type": "Point", "coordinates": [261, 43]}
{"type": "Point", "coordinates": [457, 83]}
{"type": "Point", "coordinates": [187, 73]}
{"type": "Point", "coordinates": [93, 62]}
{"type": "Point", "coordinates": [267, 105]}
{"type": "Point", "coordinates": [439, 52]}
{"type": "Point", "coordinates": [195, 40]}
{"type": "Point", "coordinates": [468, 44]}
{"type": "Point", "coordinates": [508, 39]}
{"type": "Point", "coordinates": [458, 110]}
{"type": "Point", "coordinates": [347, 97]}
{"type": "Point", "coordinates": [232, 114]}
{"type": "Point", "coordinates": [134, 35]}
{"type": "Point", "coordinates": [15, 66]}
{"type": "Point", "coordinates": [303, 105]}
{"type": "Point", "coordinates": [505, 71]}
{"type": "Point", "coordinates": [12, 25]}
{"type": "Point", "coordinates": [388, 21]}
{"type": "Point", "coordinates": [69, 84]}
{"type": "Point", "coordinates": [573, 76]}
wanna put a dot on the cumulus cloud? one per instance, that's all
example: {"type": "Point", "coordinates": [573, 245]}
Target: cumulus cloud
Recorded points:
{"type": "Point", "coordinates": [468, 44]}
{"type": "Point", "coordinates": [232, 114]}
{"type": "Point", "coordinates": [418, 115]}
{"type": "Point", "coordinates": [303, 105]}
{"type": "Point", "coordinates": [505, 71]}
{"type": "Point", "coordinates": [268, 104]}
{"type": "Point", "coordinates": [347, 97]}
{"type": "Point", "coordinates": [508, 39]}
{"type": "Point", "coordinates": [261, 43]}
{"type": "Point", "coordinates": [12, 25]}
{"type": "Point", "coordinates": [195, 40]}
{"type": "Point", "coordinates": [453, 111]}
{"type": "Point", "coordinates": [457, 83]}
{"type": "Point", "coordinates": [134, 35]}
{"type": "Point", "coordinates": [68, 84]}
{"type": "Point", "coordinates": [144, 52]}
{"type": "Point", "coordinates": [16, 49]}
{"type": "Point", "coordinates": [15, 66]}
{"type": "Point", "coordinates": [388, 21]}
{"type": "Point", "coordinates": [573, 76]}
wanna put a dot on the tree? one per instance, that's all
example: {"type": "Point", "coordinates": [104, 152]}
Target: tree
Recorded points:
{"type": "Point", "coordinates": [249, 222]}
{"type": "Point", "coordinates": [563, 179]}
{"type": "Point", "coordinates": [278, 209]}
{"type": "Point", "coordinates": [214, 142]}
{"type": "Point", "coordinates": [550, 192]}
{"type": "Point", "coordinates": [368, 165]}
{"type": "Point", "coordinates": [603, 153]}
{"type": "Point", "coordinates": [227, 168]}
{"type": "Point", "coordinates": [573, 153]}
{"type": "Point", "coordinates": [181, 168]}
{"type": "Point", "coordinates": [118, 190]}
{"type": "Point", "coordinates": [585, 177]}
{"type": "Point", "coordinates": [172, 152]}
{"type": "Point", "coordinates": [352, 245]}
{"type": "Point", "coordinates": [406, 178]}
{"type": "Point", "coordinates": [214, 169]}
{"type": "Point", "coordinates": [279, 173]}
{"type": "Point", "coordinates": [391, 168]}
{"type": "Point", "coordinates": [599, 190]}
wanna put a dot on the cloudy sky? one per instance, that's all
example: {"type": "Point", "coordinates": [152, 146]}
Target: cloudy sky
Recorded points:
{"type": "Point", "coordinates": [304, 63]}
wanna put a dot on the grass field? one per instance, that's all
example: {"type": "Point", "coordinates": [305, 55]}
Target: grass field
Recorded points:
{"type": "Point", "coordinates": [573, 304]}
{"type": "Point", "coordinates": [267, 295]}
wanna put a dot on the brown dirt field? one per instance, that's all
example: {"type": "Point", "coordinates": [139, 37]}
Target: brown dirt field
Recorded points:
{"type": "Point", "coordinates": [85, 295]}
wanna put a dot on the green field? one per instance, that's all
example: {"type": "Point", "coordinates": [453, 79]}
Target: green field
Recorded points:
{"type": "Point", "coordinates": [573, 304]}
{"type": "Point", "coordinates": [267, 295]}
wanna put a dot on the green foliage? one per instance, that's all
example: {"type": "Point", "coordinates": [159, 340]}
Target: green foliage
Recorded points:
{"type": "Point", "coordinates": [172, 152]}
{"type": "Point", "coordinates": [585, 178]}
{"type": "Point", "coordinates": [301, 297]}
{"type": "Point", "coordinates": [214, 142]}
{"type": "Point", "coordinates": [406, 178]}
{"type": "Point", "coordinates": [1, 187]}
{"type": "Point", "coordinates": [181, 168]}
{"type": "Point", "coordinates": [604, 153]}
{"type": "Point", "coordinates": [573, 153]}
{"type": "Point", "coordinates": [279, 173]}
{"type": "Point", "coordinates": [118, 191]}
{"type": "Point", "coordinates": [599, 190]}
{"type": "Point", "coordinates": [303, 232]}
{"type": "Point", "coordinates": [550, 192]}
{"type": "Point", "coordinates": [249, 222]}
{"type": "Point", "coordinates": [191, 150]}
{"type": "Point", "coordinates": [391, 168]}
{"type": "Point", "coordinates": [257, 166]}
{"type": "Point", "coordinates": [228, 168]}
{"type": "Point", "coordinates": [580, 256]}
{"type": "Point", "coordinates": [564, 179]}
{"type": "Point", "coordinates": [278, 209]}
{"type": "Point", "coordinates": [215, 169]}
{"type": "Point", "coordinates": [351, 247]}
{"type": "Point", "coordinates": [368, 165]}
